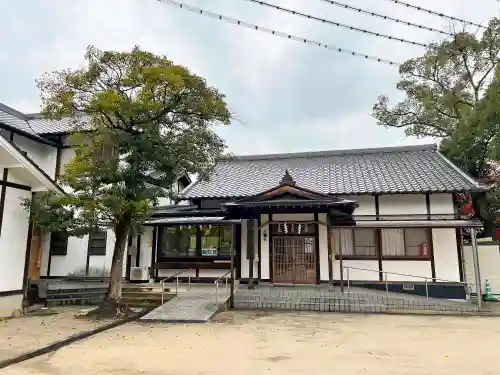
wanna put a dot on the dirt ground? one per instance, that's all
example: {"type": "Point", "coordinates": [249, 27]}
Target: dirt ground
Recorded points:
{"type": "Point", "coordinates": [242, 343]}
{"type": "Point", "coordinates": [20, 335]}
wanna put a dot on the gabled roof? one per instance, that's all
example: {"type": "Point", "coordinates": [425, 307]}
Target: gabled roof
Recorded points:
{"type": "Point", "coordinates": [29, 170]}
{"type": "Point", "coordinates": [409, 169]}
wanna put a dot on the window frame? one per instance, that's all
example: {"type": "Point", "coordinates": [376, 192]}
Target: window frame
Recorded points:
{"type": "Point", "coordinates": [95, 250]}
{"type": "Point", "coordinates": [64, 240]}
{"type": "Point", "coordinates": [428, 235]}
{"type": "Point", "coordinates": [356, 256]}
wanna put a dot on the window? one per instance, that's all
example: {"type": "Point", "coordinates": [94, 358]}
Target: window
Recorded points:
{"type": "Point", "coordinates": [97, 243]}
{"type": "Point", "coordinates": [216, 240]}
{"type": "Point", "coordinates": [354, 242]}
{"type": "Point", "coordinates": [58, 243]}
{"type": "Point", "coordinates": [178, 241]}
{"type": "Point", "coordinates": [412, 242]}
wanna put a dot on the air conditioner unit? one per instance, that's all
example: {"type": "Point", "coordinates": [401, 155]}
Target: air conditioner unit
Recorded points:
{"type": "Point", "coordinates": [139, 274]}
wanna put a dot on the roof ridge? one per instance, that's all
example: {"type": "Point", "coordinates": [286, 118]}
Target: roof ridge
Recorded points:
{"type": "Point", "coordinates": [13, 112]}
{"type": "Point", "coordinates": [359, 151]}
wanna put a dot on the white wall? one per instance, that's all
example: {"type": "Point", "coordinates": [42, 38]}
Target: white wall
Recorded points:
{"type": "Point", "coordinates": [489, 266]}
{"type": "Point", "coordinates": [410, 267]}
{"type": "Point", "coordinates": [10, 305]}
{"type": "Point", "coordinates": [323, 247]}
{"type": "Point", "coordinates": [243, 254]}
{"type": "Point", "coordinates": [43, 155]}
{"type": "Point", "coordinates": [442, 204]}
{"type": "Point", "coordinates": [355, 274]}
{"type": "Point", "coordinates": [402, 204]}
{"type": "Point", "coordinates": [446, 254]}
{"type": "Point", "coordinates": [264, 247]}
{"type": "Point", "coordinates": [13, 240]}
{"type": "Point", "coordinates": [366, 205]}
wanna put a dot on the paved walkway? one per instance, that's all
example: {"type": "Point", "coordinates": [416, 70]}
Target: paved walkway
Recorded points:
{"type": "Point", "coordinates": [196, 305]}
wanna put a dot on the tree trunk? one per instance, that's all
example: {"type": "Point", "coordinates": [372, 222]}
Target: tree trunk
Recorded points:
{"type": "Point", "coordinates": [115, 277]}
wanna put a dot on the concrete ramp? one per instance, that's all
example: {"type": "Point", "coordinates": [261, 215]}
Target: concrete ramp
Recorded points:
{"type": "Point", "coordinates": [191, 306]}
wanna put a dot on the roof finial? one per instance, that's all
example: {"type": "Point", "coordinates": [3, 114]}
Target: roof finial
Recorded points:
{"type": "Point", "coordinates": [287, 180]}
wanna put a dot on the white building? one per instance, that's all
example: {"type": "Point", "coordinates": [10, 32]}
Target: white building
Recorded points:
{"type": "Point", "coordinates": [33, 152]}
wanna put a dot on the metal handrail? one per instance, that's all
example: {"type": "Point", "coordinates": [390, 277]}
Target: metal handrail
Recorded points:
{"type": "Point", "coordinates": [467, 287]}
{"type": "Point", "coordinates": [216, 283]}
{"type": "Point", "coordinates": [176, 275]}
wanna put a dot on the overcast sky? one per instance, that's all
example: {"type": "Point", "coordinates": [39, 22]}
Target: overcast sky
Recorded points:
{"type": "Point", "coordinates": [290, 96]}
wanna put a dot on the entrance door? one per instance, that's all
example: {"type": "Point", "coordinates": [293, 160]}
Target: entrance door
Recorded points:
{"type": "Point", "coordinates": [294, 260]}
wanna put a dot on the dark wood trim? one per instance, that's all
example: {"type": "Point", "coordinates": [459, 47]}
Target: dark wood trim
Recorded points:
{"type": "Point", "coordinates": [27, 256]}
{"type": "Point", "coordinates": [316, 249]}
{"type": "Point", "coordinates": [138, 253]}
{"type": "Point", "coordinates": [87, 261]}
{"type": "Point", "coordinates": [15, 292]}
{"type": "Point", "coordinates": [428, 205]}
{"type": "Point", "coordinates": [58, 163]}
{"type": "Point", "coordinates": [153, 252]}
{"type": "Point", "coordinates": [330, 250]}
{"type": "Point", "coordinates": [128, 266]}
{"type": "Point", "coordinates": [407, 258]}
{"type": "Point", "coordinates": [259, 250]}
{"type": "Point", "coordinates": [14, 185]}
{"type": "Point", "coordinates": [378, 239]}
{"type": "Point", "coordinates": [270, 239]}
{"type": "Point", "coordinates": [2, 196]}
{"type": "Point", "coordinates": [429, 236]}
{"type": "Point", "coordinates": [431, 251]}
{"type": "Point", "coordinates": [458, 236]}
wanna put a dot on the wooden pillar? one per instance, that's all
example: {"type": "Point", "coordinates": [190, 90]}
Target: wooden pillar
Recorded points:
{"type": "Point", "coordinates": [341, 270]}
{"type": "Point", "coordinates": [330, 251]}
{"type": "Point", "coordinates": [233, 249]}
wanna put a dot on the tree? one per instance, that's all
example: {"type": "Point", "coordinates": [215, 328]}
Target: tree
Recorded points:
{"type": "Point", "coordinates": [141, 123]}
{"type": "Point", "coordinates": [451, 93]}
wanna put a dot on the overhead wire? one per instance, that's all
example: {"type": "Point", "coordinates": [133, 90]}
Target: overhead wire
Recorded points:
{"type": "Point", "coordinates": [338, 24]}
{"type": "Point", "coordinates": [277, 33]}
{"type": "Point", "coordinates": [436, 13]}
{"type": "Point", "coordinates": [388, 18]}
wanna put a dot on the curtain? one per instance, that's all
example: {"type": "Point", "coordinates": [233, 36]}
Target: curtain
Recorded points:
{"type": "Point", "coordinates": [393, 242]}
{"type": "Point", "coordinates": [342, 239]}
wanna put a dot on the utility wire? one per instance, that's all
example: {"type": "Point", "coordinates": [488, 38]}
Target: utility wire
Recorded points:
{"type": "Point", "coordinates": [338, 24]}
{"type": "Point", "coordinates": [275, 32]}
{"type": "Point", "coordinates": [389, 18]}
{"type": "Point", "coordinates": [435, 13]}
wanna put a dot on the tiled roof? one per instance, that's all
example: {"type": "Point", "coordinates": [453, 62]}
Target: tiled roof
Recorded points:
{"type": "Point", "coordinates": [15, 119]}
{"type": "Point", "coordinates": [64, 125]}
{"type": "Point", "coordinates": [410, 169]}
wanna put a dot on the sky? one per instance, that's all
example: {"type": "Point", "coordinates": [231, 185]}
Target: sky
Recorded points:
{"type": "Point", "coordinates": [286, 96]}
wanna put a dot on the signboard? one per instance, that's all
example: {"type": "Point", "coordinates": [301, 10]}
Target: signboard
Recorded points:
{"type": "Point", "coordinates": [209, 252]}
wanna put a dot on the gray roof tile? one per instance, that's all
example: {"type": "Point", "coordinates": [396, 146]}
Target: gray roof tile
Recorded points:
{"type": "Point", "coordinates": [65, 125]}
{"type": "Point", "coordinates": [410, 169]}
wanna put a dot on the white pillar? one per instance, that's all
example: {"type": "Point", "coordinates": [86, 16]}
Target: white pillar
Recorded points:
{"type": "Point", "coordinates": [475, 257]}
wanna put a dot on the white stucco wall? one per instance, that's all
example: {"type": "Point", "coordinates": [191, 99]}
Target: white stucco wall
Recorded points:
{"type": "Point", "coordinates": [402, 204]}
{"type": "Point", "coordinates": [264, 247]}
{"type": "Point", "coordinates": [43, 155]}
{"type": "Point", "coordinates": [356, 274]}
{"type": "Point", "coordinates": [243, 254]}
{"type": "Point", "coordinates": [489, 266]}
{"type": "Point", "coordinates": [366, 204]}
{"type": "Point", "coordinates": [419, 268]}
{"type": "Point", "coordinates": [13, 240]}
{"type": "Point", "coordinates": [323, 247]}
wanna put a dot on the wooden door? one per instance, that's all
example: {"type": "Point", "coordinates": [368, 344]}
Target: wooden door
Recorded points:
{"type": "Point", "coordinates": [36, 253]}
{"type": "Point", "coordinates": [294, 260]}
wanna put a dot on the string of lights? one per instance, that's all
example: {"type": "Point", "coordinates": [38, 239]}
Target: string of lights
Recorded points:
{"type": "Point", "coordinates": [338, 24]}
{"type": "Point", "coordinates": [277, 33]}
{"type": "Point", "coordinates": [435, 13]}
{"type": "Point", "coordinates": [388, 18]}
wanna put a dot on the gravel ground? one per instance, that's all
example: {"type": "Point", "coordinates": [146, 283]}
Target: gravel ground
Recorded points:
{"type": "Point", "coordinates": [257, 342]}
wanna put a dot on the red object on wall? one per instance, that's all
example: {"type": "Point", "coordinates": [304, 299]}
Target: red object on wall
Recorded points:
{"type": "Point", "coordinates": [467, 208]}
{"type": "Point", "coordinates": [424, 250]}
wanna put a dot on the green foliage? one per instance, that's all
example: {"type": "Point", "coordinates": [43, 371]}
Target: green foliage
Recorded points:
{"type": "Point", "coordinates": [443, 86]}
{"type": "Point", "coordinates": [452, 92]}
{"type": "Point", "coordinates": [151, 121]}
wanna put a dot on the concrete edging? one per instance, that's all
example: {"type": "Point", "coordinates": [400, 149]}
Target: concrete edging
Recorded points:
{"type": "Point", "coordinates": [68, 341]}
